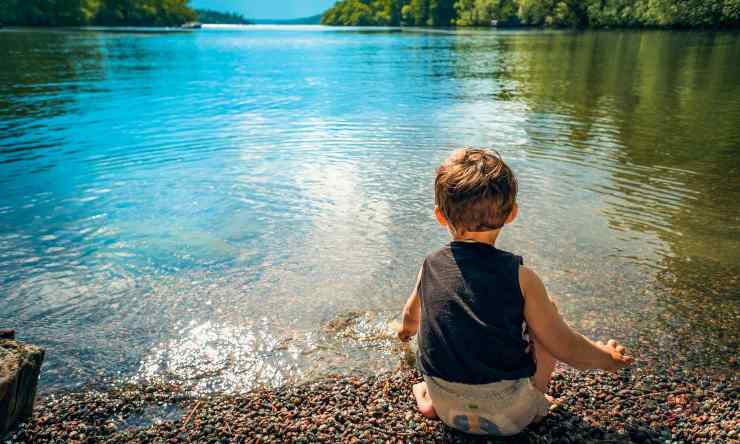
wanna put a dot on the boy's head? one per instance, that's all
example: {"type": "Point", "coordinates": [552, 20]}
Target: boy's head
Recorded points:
{"type": "Point", "coordinates": [475, 191]}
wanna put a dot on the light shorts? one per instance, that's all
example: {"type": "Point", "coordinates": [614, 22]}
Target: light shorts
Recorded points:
{"type": "Point", "coordinates": [501, 408]}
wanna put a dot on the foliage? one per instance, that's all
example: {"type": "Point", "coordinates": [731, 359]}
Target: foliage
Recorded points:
{"type": "Point", "coordinates": [551, 13]}
{"type": "Point", "coordinates": [221, 18]}
{"type": "Point", "coordinates": [364, 13]}
{"type": "Point", "coordinates": [95, 12]}
{"type": "Point", "coordinates": [482, 12]}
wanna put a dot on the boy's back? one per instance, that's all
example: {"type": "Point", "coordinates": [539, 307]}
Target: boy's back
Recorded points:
{"type": "Point", "coordinates": [474, 305]}
{"type": "Point", "coordinates": [473, 330]}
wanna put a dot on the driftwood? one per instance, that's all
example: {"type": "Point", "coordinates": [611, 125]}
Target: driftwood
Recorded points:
{"type": "Point", "coordinates": [20, 365]}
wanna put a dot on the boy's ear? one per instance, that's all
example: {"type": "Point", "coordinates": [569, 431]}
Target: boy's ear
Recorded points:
{"type": "Point", "coordinates": [512, 214]}
{"type": "Point", "coordinates": [440, 217]}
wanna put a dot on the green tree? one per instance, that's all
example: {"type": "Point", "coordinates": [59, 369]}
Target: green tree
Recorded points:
{"type": "Point", "coordinates": [441, 13]}
{"type": "Point", "coordinates": [553, 13]}
{"type": "Point", "coordinates": [210, 16]}
{"type": "Point", "coordinates": [387, 12]}
{"type": "Point", "coordinates": [416, 12]}
{"type": "Point", "coordinates": [364, 13]}
{"type": "Point", "coordinates": [99, 12]}
{"type": "Point", "coordinates": [482, 12]}
{"type": "Point", "coordinates": [617, 13]}
{"type": "Point", "coordinates": [684, 13]}
{"type": "Point", "coordinates": [465, 13]}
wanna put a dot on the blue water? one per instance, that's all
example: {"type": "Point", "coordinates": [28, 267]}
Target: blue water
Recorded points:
{"type": "Point", "coordinates": [196, 205]}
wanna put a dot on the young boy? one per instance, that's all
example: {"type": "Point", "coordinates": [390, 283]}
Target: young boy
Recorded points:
{"type": "Point", "coordinates": [489, 335]}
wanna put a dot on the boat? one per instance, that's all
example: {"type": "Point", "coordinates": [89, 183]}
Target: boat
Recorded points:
{"type": "Point", "coordinates": [191, 25]}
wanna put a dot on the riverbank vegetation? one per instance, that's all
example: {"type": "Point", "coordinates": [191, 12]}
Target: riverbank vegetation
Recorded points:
{"type": "Point", "coordinates": [95, 12]}
{"type": "Point", "coordinates": [221, 18]}
{"type": "Point", "coordinates": [551, 13]}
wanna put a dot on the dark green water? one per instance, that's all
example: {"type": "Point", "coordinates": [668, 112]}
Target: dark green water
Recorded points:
{"type": "Point", "coordinates": [196, 205]}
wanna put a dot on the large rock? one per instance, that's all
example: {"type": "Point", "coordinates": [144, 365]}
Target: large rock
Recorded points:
{"type": "Point", "coordinates": [20, 365]}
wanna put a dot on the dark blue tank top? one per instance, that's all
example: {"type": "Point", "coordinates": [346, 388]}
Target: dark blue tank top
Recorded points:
{"type": "Point", "coordinates": [472, 316]}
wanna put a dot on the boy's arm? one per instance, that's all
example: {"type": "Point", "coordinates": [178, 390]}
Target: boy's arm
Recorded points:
{"type": "Point", "coordinates": [558, 338]}
{"type": "Point", "coordinates": [411, 313]}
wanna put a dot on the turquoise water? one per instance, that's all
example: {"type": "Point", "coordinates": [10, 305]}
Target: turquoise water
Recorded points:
{"type": "Point", "coordinates": [196, 206]}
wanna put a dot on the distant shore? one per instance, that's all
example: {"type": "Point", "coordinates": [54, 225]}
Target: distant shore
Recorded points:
{"type": "Point", "coordinates": [581, 14]}
{"type": "Point", "coordinates": [378, 27]}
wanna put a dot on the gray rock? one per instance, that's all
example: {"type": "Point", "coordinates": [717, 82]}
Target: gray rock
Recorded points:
{"type": "Point", "coordinates": [20, 365]}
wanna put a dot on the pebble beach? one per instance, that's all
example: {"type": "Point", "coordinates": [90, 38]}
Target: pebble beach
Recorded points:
{"type": "Point", "coordinates": [633, 406]}
{"type": "Point", "coordinates": [682, 388]}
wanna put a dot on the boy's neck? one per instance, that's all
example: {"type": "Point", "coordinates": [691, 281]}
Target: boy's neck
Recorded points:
{"type": "Point", "coordinates": [486, 237]}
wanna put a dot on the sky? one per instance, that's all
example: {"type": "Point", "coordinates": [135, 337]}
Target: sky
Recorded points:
{"type": "Point", "coordinates": [262, 9]}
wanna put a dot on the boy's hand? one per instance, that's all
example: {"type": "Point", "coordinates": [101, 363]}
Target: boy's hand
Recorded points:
{"type": "Point", "coordinates": [411, 313]}
{"type": "Point", "coordinates": [618, 358]}
{"type": "Point", "coordinates": [407, 330]}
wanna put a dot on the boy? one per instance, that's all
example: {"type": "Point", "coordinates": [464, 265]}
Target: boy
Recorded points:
{"type": "Point", "coordinates": [489, 335]}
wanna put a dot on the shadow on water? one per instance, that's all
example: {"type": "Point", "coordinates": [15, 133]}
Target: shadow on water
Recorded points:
{"type": "Point", "coordinates": [657, 110]}
{"type": "Point", "coordinates": [37, 85]}
{"type": "Point", "coordinates": [651, 117]}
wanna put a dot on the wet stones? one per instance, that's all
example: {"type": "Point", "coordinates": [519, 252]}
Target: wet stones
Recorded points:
{"type": "Point", "coordinates": [342, 322]}
{"type": "Point", "coordinates": [20, 365]}
{"type": "Point", "coordinates": [642, 406]}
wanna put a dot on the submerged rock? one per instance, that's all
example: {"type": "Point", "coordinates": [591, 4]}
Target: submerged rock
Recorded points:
{"type": "Point", "coordinates": [20, 365]}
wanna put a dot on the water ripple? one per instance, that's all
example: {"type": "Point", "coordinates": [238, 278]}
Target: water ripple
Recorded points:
{"type": "Point", "coordinates": [194, 206]}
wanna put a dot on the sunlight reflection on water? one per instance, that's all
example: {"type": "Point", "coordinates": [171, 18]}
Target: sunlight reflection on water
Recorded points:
{"type": "Point", "coordinates": [198, 206]}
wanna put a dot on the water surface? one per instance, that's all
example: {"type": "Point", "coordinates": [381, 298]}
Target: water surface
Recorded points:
{"type": "Point", "coordinates": [197, 205]}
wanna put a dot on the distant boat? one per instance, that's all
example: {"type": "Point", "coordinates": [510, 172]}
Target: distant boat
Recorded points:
{"type": "Point", "coordinates": [192, 25]}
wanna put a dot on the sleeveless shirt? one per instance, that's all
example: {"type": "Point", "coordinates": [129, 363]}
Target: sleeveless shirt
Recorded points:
{"type": "Point", "coordinates": [472, 316]}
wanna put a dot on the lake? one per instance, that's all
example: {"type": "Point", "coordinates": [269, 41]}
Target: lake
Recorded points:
{"type": "Point", "coordinates": [239, 206]}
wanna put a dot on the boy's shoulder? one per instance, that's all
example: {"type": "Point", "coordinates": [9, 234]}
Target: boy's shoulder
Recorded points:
{"type": "Point", "coordinates": [472, 250]}
{"type": "Point", "coordinates": [444, 250]}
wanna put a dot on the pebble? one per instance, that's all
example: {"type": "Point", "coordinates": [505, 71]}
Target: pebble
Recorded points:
{"type": "Point", "coordinates": [591, 407]}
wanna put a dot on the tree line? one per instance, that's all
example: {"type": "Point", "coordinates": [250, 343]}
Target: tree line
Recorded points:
{"type": "Point", "coordinates": [95, 12]}
{"type": "Point", "coordinates": [221, 18]}
{"type": "Point", "coordinates": [550, 13]}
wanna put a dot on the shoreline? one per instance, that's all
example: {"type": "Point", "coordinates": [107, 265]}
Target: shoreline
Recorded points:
{"type": "Point", "coordinates": [408, 28]}
{"type": "Point", "coordinates": [637, 405]}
